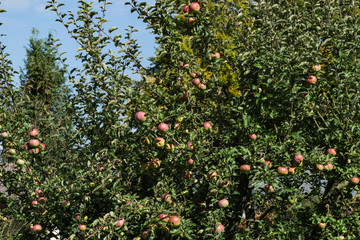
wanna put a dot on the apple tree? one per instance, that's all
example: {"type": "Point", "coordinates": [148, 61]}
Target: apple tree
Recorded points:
{"type": "Point", "coordinates": [174, 152]}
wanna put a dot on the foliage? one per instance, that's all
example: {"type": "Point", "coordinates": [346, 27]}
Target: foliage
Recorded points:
{"type": "Point", "coordinates": [104, 163]}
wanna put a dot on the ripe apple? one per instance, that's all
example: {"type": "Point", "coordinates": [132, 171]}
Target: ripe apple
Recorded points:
{"type": "Point", "coordinates": [120, 222]}
{"type": "Point", "coordinates": [34, 203]}
{"type": "Point", "coordinates": [12, 151]}
{"type": "Point", "coordinates": [331, 151]}
{"type": "Point", "coordinates": [159, 142]}
{"type": "Point", "coordinates": [39, 193]}
{"type": "Point", "coordinates": [320, 167]}
{"type": "Point", "coordinates": [174, 221]}
{"type": "Point", "coordinates": [216, 55]}
{"type": "Point", "coordinates": [4, 134]}
{"type": "Point", "coordinates": [298, 158]}
{"type": "Point", "coordinates": [245, 168]}
{"type": "Point", "coordinates": [292, 171]}
{"type": "Point", "coordinates": [220, 228]}
{"type": "Point", "coordinates": [36, 228]}
{"type": "Point", "coordinates": [82, 227]}
{"type": "Point", "coordinates": [34, 151]}
{"type": "Point", "coordinates": [201, 86]}
{"type": "Point", "coordinates": [328, 166]}
{"type": "Point", "coordinates": [190, 146]}
{"type": "Point", "coordinates": [355, 180]}
{"type": "Point", "coordinates": [312, 79]}
{"type": "Point", "coordinates": [26, 145]}
{"type": "Point", "coordinates": [282, 170]}
{"type": "Point", "coordinates": [42, 147]}
{"type": "Point", "coordinates": [196, 81]}
{"type": "Point", "coordinates": [166, 197]}
{"type": "Point", "coordinates": [207, 125]}
{"type": "Point", "coordinates": [186, 9]}
{"type": "Point", "coordinates": [155, 163]}
{"type": "Point", "coordinates": [163, 127]}
{"type": "Point", "coordinates": [190, 161]}
{"type": "Point", "coordinates": [34, 143]}
{"type": "Point", "coordinates": [42, 200]}
{"type": "Point", "coordinates": [163, 217]}
{"type": "Point", "coordinates": [224, 183]}
{"type": "Point", "coordinates": [211, 175]}
{"type": "Point", "coordinates": [268, 188]}
{"type": "Point", "coordinates": [193, 75]}
{"type": "Point", "coordinates": [252, 136]}
{"type": "Point", "coordinates": [223, 203]}
{"type": "Point", "coordinates": [34, 132]}
{"type": "Point", "coordinates": [140, 116]}
{"type": "Point", "coordinates": [190, 21]}
{"type": "Point", "coordinates": [169, 146]}
{"type": "Point", "coordinates": [268, 163]}
{"type": "Point", "coordinates": [194, 7]}
{"type": "Point", "coordinates": [65, 203]}
{"type": "Point", "coordinates": [186, 175]}
{"type": "Point", "coordinates": [316, 68]}
{"type": "Point", "coordinates": [322, 225]}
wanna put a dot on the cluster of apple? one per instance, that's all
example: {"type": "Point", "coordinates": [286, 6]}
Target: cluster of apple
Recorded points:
{"type": "Point", "coordinates": [34, 146]}
{"type": "Point", "coordinates": [40, 205]}
{"type": "Point", "coordinates": [193, 8]}
{"type": "Point", "coordinates": [312, 79]}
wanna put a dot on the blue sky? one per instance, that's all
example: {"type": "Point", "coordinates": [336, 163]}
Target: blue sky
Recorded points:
{"type": "Point", "coordinates": [22, 15]}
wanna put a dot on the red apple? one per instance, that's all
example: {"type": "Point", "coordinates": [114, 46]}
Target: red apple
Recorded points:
{"type": "Point", "coordinates": [196, 81]}
{"type": "Point", "coordinates": [174, 221]}
{"type": "Point", "coordinates": [268, 188]}
{"type": "Point", "coordinates": [34, 132]}
{"type": "Point", "coordinates": [331, 151]}
{"type": "Point", "coordinates": [312, 79]}
{"type": "Point", "coordinates": [190, 146]}
{"type": "Point", "coordinates": [163, 127]}
{"type": "Point", "coordinates": [34, 151]}
{"type": "Point", "coordinates": [224, 183]}
{"type": "Point", "coordinates": [193, 75]}
{"type": "Point", "coordinates": [4, 134]}
{"type": "Point", "coordinates": [39, 193]}
{"type": "Point", "coordinates": [245, 168]}
{"type": "Point", "coordinates": [42, 147]}
{"type": "Point", "coordinates": [211, 175]}
{"type": "Point", "coordinates": [166, 197]}
{"type": "Point", "coordinates": [190, 161]}
{"type": "Point", "coordinates": [186, 175]}
{"type": "Point", "coordinates": [163, 217]}
{"type": "Point", "coordinates": [316, 68]}
{"type": "Point", "coordinates": [320, 167]}
{"type": "Point", "coordinates": [140, 116]}
{"type": "Point", "coordinates": [190, 21]}
{"type": "Point", "coordinates": [36, 228]}
{"type": "Point", "coordinates": [12, 151]}
{"type": "Point", "coordinates": [268, 163]}
{"type": "Point", "coordinates": [34, 143]}
{"type": "Point", "coordinates": [298, 158]}
{"type": "Point", "coordinates": [216, 55]}
{"type": "Point", "coordinates": [207, 125]}
{"type": "Point", "coordinates": [220, 228]}
{"type": "Point", "coordinates": [223, 203]}
{"type": "Point", "coordinates": [328, 166]}
{"type": "Point", "coordinates": [186, 9]}
{"type": "Point", "coordinates": [26, 145]}
{"type": "Point", "coordinates": [282, 170]}
{"type": "Point", "coordinates": [120, 222]}
{"type": "Point", "coordinates": [42, 200]}
{"type": "Point", "coordinates": [322, 225]}
{"type": "Point", "coordinates": [159, 142]}
{"type": "Point", "coordinates": [292, 171]}
{"type": "Point", "coordinates": [262, 160]}
{"type": "Point", "coordinates": [252, 136]}
{"type": "Point", "coordinates": [155, 163]}
{"type": "Point", "coordinates": [194, 7]}
{"type": "Point", "coordinates": [82, 227]}
{"type": "Point", "coordinates": [34, 203]}
{"type": "Point", "coordinates": [202, 86]}
{"type": "Point", "coordinates": [355, 180]}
